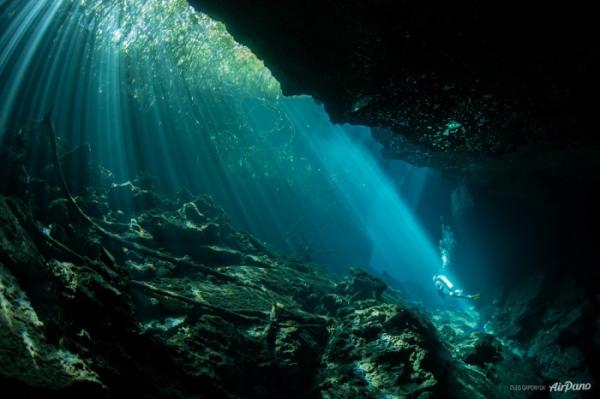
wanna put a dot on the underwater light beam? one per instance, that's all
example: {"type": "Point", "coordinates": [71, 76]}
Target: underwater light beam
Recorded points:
{"type": "Point", "coordinates": [155, 86]}
{"type": "Point", "coordinates": [401, 247]}
{"type": "Point", "coordinates": [29, 29]}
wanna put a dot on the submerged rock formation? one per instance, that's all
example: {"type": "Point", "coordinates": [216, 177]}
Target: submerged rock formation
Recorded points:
{"type": "Point", "coordinates": [453, 85]}
{"type": "Point", "coordinates": [161, 296]}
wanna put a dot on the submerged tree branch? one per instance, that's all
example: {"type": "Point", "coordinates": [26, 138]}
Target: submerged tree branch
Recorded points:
{"type": "Point", "coordinates": [112, 236]}
{"type": "Point", "coordinates": [203, 306]}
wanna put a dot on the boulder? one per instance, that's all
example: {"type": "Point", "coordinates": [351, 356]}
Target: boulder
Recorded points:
{"type": "Point", "coordinates": [481, 348]}
{"type": "Point", "coordinates": [361, 286]}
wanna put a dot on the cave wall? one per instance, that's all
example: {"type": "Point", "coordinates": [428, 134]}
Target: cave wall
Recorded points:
{"type": "Point", "coordinates": [459, 83]}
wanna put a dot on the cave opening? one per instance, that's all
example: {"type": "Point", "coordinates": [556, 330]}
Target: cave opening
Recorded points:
{"type": "Point", "coordinates": [195, 109]}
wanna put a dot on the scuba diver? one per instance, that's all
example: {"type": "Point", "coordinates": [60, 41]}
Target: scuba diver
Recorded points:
{"type": "Point", "coordinates": [444, 286]}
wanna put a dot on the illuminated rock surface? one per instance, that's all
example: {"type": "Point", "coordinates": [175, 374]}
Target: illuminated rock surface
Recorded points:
{"type": "Point", "coordinates": [92, 317]}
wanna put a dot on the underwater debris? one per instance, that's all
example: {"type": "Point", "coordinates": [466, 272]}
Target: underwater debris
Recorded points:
{"type": "Point", "coordinates": [132, 245]}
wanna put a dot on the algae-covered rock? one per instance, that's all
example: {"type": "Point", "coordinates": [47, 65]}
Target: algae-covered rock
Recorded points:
{"type": "Point", "coordinates": [362, 285]}
{"type": "Point", "coordinates": [190, 211]}
{"type": "Point", "coordinates": [27, 357]}
{"type": "Point", "coordinates": [169, 299]}
{"type": "Point", "coordinates": [128, 198]}
{"type": "Point", "coordinates": [548, 325]}
{"type": "Point", "coordinates": [481, 348]}
{"type": "Point", "coordinates": [379, 351]}
{"type": "Point", "coordinates": [16, 248]}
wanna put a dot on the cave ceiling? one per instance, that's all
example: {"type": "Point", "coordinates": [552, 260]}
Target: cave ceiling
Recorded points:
{"type": "Point", "coordinates": [451, 85]}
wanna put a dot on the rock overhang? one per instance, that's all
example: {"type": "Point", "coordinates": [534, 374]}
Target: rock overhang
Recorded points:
{"type": "Point", "coordinates": [458, 83]}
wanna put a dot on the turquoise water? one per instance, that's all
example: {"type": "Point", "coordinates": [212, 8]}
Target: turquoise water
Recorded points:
{"type": "Point", "coordinates": [156, 87]}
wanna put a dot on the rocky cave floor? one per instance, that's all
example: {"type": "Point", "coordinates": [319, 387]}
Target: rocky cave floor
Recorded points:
{"type": "Point", "coordinates": [160, 296]}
